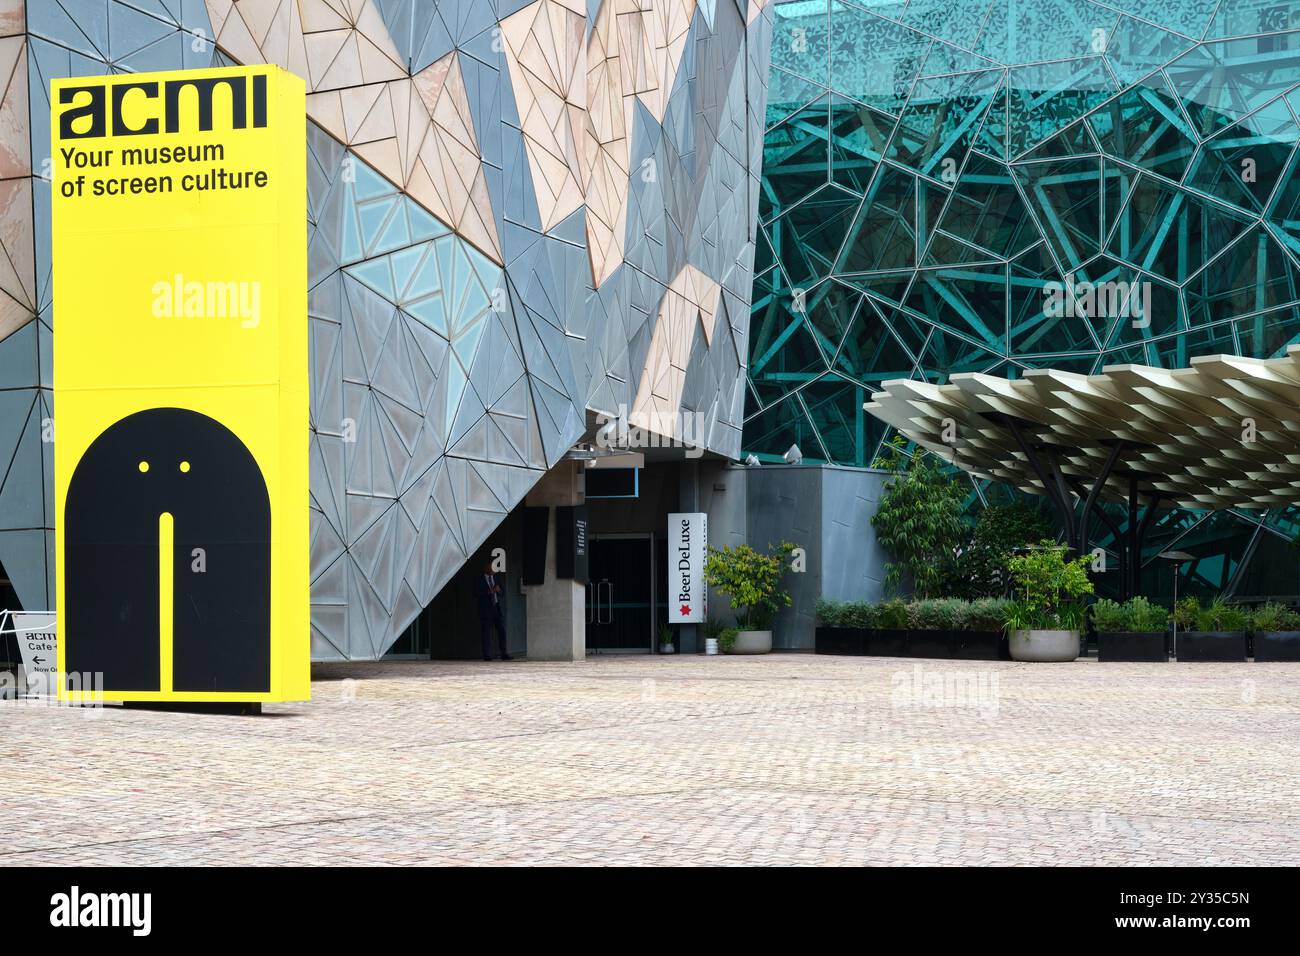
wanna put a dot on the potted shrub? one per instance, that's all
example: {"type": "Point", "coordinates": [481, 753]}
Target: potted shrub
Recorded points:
{"type": "Point", "coordinates": [861, 616]}
{"type": "Point", "coordinates": [752, 582]}
{"type": "Point", "coordinates": [931, 625]}
{"type": "Point", "coordinates": [889, 637]}
{"type": "Point", "coordinates": [666, 640]}
{"type": "Point", "coordinates": [1276, 633]}
{"type": "Point", "coordinates": [1043, 622]}
{"type": "Point", "coordinates": [980, 636]}
{"type": "Point", "coordinates": [1133, 631]}
{"type": "Point", "coordinates": [842, 626]}
{"type": "Point", "coordinates": [1216, 632]}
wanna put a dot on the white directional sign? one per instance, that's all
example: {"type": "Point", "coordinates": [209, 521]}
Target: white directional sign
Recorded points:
{"type": "Point", "coordinates": [688, 597]}
{"type": "Point", "coordinates": [38, 645]}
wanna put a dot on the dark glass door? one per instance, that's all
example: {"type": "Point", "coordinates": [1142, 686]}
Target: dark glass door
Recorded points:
{"type": "Point", "coordinates": [620, 594]}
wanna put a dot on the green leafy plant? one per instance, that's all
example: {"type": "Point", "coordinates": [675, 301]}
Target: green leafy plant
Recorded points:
{"type": "Point", "coordinates": [751, 581]}
{"type": "Point", "coordinates": [1049, 589]}
{"type": "Point", "coordinates": [981, 567]}
{"type": "Point", "coordinates": [892, 616]}
{"type": "Point", "coordinates": [1143, 616]}
{"type": "Point", "coordinates": [1209, 616]}
{"type": "Point", "coordinates": [1274, 617]}
{"type": "Point", "coordinates": [918, 519]}
{"type": "Point", "coordinates": [832, 613]}
{"type": "Point", "coordinates": [860, 614]}
{"type": "Point", "coordinates": [727, 639]}
{"type": "Point", "coordinates": [1136, 615]}
{"type": "Point", "coordinates": [712, 629]}
{"type": "Point", "coordinates": [666, 634]}
{"type": "Point", "coordinates": [1233, 618]}
{"type": "Point", "coordinates": [1070, 617]}
{"type": "Point", "coordinates": [958, 614]}
{"type": "Point", "coordinates": [1218, 615]}
{"type": "Point", "coordinates": [1186, 611]}
{"type": "Point", "coordinates": [1109, 616]}
{"type": "Point", "coordinates": [919, 617]}
{"type": "Point", "coordinates": [935, 614]}
{"type": "Point", "coordinates": [986, 614]}
{"type": "Point", "coordinates": [845, 613]}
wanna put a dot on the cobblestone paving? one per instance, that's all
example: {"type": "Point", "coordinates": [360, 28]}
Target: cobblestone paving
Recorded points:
{"type": "Point", "coordinates": [786, 759]}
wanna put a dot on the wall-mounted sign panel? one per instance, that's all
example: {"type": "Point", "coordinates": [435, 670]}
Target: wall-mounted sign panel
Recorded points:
{"type": "Point", "coordinates": [688, 539]}
{"type": "Point", "coordinates": [571, 559]}
{"type": "Point", "coordinates": [180, 384]}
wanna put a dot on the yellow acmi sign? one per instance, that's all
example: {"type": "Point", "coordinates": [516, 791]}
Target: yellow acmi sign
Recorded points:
{"type": "Point", "coordinates": [180, 385]}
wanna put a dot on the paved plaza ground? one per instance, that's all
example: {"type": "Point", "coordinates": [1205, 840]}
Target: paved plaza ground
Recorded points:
{"type": "Point", "coordinates": [785, 759]}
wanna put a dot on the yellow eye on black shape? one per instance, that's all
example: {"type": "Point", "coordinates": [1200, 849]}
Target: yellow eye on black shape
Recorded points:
{"type": "Point", "coordinates": [185, 466]}
{"type": "Point", "coordinates": [143, 466]}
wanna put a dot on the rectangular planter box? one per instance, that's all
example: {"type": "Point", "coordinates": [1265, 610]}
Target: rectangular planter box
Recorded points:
{"type": "Point", "coordinates": [1132, 646]}
{"type": "Point", "coordinates": [881, 643]}
{"type": "Point", "coordinates": [1277, 646]}
{"type": "Point", "coordinates": [840, 640]}
{"type": "Point", "coordinates": [1210, 645]}
{"type": "Point", "coordinates": [936, 645]}
{"type": "Point", "coordinates": [981, 646]}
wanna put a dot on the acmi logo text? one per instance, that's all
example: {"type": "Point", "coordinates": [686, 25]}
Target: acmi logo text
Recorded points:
{"type": "Point", "coordinates": [93, 110]}
{"type": "Point", "coordinates": [94, 910]}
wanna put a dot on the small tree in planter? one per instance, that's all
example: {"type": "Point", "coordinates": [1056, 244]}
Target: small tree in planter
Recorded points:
{"type": "Point", "coordinates": [918, 519]}
{"type": "Point", "coordinates": [1043, 622]}
{"type": "Point", "coordinates": [1276, 633]}
{"type": "Point", "coordinates": [752, 583]}
{"type": "Point", "coordinates": [981, 567]}
{"type": "Point", "coordinates": [1132, 631]}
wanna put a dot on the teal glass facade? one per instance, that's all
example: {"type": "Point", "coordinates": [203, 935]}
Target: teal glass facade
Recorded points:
{"type": "Point", "coordinates": [933, 169]}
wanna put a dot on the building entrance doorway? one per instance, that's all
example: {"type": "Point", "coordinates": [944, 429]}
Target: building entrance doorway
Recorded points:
{"type": "Point", "coordinates": [621, 594]}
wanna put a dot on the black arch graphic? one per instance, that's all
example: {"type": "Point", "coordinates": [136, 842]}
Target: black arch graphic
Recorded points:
{"type": "Point", "coordinates": [222, 616]}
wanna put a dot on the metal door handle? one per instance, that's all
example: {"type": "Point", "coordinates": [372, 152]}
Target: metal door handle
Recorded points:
{"type": "Point", "coordinates": [591, 607]}
{"type": "Point", "coordinates": [609, 602]}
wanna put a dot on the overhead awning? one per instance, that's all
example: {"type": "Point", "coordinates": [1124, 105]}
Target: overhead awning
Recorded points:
{"type": "Point", "coordinates": [1223, 433]}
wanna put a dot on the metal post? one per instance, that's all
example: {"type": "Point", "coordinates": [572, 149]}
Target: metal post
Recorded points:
{"type": "Point", "coordinates": [1130, 585]}
{"type": "Point", "coordinates": [1175, 614]}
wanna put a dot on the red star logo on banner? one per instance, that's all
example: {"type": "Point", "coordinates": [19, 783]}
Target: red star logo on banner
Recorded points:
{"type": "Point", "coordinates": [686, 610]}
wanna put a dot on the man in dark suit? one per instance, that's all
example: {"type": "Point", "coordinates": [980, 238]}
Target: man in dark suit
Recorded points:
{"type": "Point", "coordinates": [490, 598]}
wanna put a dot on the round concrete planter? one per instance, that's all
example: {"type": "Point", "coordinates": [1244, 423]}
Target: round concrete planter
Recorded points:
{"type": "Point", "coordinates": [667, 649]}
{"type": "Point", "coordinates": [752, 642]}
{"type": "Point", "coordinates": [1045, 646]}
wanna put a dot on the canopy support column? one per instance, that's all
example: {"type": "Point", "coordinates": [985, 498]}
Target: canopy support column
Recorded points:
{"type": "Point", "coordinates": [1148, 519]}
{"type": "Point", "coordinates": [1107, 467]}
{"type": "Point", "coordinates": [1121, 552]}
{"type": "Point", "coordinates": [1054, 489]}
